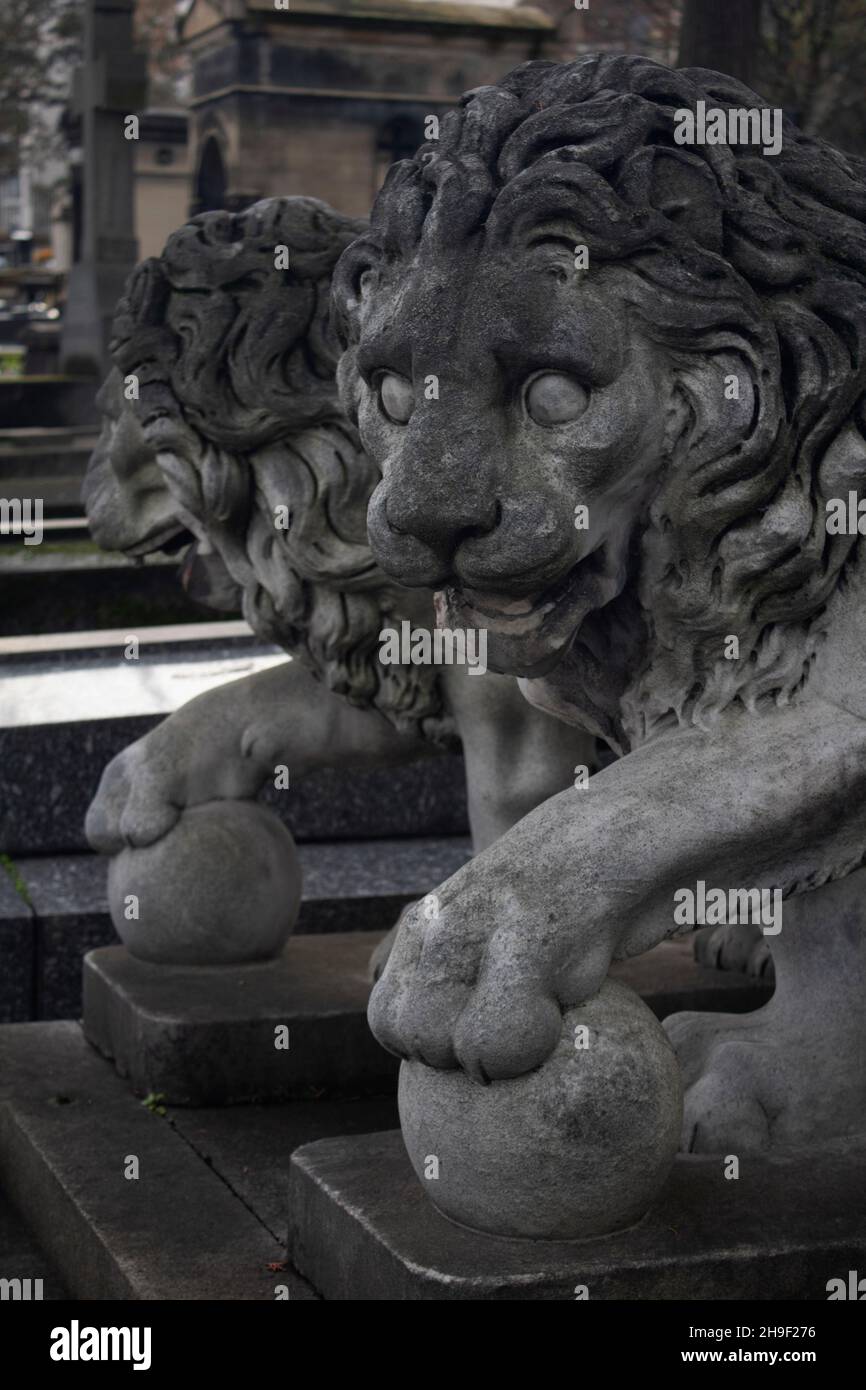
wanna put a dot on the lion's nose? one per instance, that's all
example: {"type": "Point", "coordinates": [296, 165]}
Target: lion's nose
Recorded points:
{"type": "Point", "coordinates": [415, 536]}
{"type": "Point", "coordinates": [444, 519]}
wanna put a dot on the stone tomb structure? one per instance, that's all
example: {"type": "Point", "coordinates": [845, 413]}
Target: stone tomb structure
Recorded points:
{"type": "Point", "coordinates": [319, 98]}
{"type": "Point", "coordinates": [110, 85]}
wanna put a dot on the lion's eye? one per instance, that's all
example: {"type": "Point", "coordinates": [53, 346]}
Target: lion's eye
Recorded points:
{"type": "Point", "coordinates": [553, 398]}
{"type": "Point", "coordinates": [397, 397]}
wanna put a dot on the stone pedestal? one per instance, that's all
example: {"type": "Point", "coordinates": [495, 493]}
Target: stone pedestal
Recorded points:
{"type": "Point", "coordinates": [208, 1035]}
{"type": "Point", "coordinates": [362, 1227]}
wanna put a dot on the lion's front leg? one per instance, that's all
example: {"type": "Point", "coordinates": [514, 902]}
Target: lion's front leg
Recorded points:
{"type": "Point", "coordinates": [483, 970]}
{"type": "Point", "coordinates": [227, 743]}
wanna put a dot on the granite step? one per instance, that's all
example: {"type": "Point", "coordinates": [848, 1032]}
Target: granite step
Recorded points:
{"type": "Point", "coordinates": [18, 967]}
{"type": "Point", "coordinates": [206, 1217]}
{"type": "Point", "coordinates": [38, 597]}
{"type": "Point", "coordinates": [56, 400]}
{"type": "Point", "coordinates": [69, 1129]}
{"type": "Point", "coordinates": [69, 705]}
{"type": "Point", "coordinates": [46, 463]}
{"type": "Point", "coordinates": [22, 1259]}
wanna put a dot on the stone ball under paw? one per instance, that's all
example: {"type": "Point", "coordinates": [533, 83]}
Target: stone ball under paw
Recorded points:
{"type": "Point", "coordinates": [223, 886]}
{"type": "Point", "coordinates": [578, 1148]}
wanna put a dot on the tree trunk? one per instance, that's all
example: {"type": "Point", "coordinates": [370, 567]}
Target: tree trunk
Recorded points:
{"type": "Point", "coordinates": [721, 36]}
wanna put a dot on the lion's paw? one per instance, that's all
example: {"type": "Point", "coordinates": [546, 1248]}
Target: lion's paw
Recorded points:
{"type": "Point", "coordinates": [760, 965]}
{"type": "Point", "coordinates": [133, 805]}
{"type": "Point", "coordinates": [476, 988]}
{"type": "Point", "coordinates": [759, 1080]}
{"type": "Point", "coordinates": [727, 947]}
{"type": "Point", "coordinates": [721, 1057]}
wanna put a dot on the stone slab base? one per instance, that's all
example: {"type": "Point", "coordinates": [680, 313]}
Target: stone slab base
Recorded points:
{"type": "Point", "coordinates": [203, 1219]}
{"type": "Point", "coordinates": [362, 1227]}
{"type": "Point", "coordinates": [207, 1035]}
{"type": "Point", "coordinates": [22, 1258]}
{"type": "Point", "coordinates": [69, 1130]}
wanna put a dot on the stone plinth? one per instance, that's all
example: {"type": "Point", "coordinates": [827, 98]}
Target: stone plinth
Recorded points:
{"type": "Point", "coordinates": [362, 1227]}
{"type": "Point", "coordinates": [207, 1035]}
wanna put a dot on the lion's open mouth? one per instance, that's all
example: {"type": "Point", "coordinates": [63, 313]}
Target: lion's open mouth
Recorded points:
{"type": "Point", "coordinates": [528, 635]}
{"type": "Point", "coordinates": [168, 538]}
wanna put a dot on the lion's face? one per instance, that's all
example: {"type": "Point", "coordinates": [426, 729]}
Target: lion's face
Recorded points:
{"type": "Point", "coordinates": [128, 506]}
{"type": "Point", "coordinates": [695, 388]}
{"type": "Point", "coordinates": [550, 401]}
{"type": "Point", "coordinates": [131, 509]}
{"type": "Point", "coordinates": [237, 446]}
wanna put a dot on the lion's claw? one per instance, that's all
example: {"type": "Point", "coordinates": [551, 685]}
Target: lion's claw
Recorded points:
{"type": "Point", "coordinates": [476, 986]}
{"type": "Point", "coordinates": [132, 807]}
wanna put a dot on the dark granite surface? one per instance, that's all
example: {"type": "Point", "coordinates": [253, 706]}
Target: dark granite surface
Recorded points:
{"type": "Point", "coordinates": [381, 868]}
{"type": "Point", "coordinates": [17, 970]}
{"type": "Point", "coordinates": [52, 402]}
{"type": "Point", "coordinates": [48, 777]}
{"type": "Point", "coordinates": [17, 965]}
{"type": "Point", "coordinates": [74, 885]}
{"type": "Point", "coordinates": [81, 599]}
{"type": "Point", "coordinates": [49, 774]}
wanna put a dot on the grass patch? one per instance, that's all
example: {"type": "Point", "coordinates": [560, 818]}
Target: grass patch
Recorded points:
{"type": "Point", "coordinates": [17, 881]}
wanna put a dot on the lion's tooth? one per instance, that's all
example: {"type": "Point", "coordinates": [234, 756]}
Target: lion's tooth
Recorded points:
{"type": "Point", "coordinates": [499, 603]}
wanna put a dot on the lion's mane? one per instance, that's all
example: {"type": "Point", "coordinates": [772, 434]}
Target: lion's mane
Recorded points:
{"type": "Point", "coordinates": [235, 361]}
{"type": "Point", "coordinates": [719, 251]}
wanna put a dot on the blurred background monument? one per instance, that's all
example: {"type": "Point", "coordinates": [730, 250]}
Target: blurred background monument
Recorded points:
{"type": "Point", "coordinates": [110, 87]}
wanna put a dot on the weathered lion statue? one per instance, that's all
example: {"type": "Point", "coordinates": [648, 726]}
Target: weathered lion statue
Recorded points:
{"type": "Point", "coordinates": [223, 408]}
{"type": "Point", "coordinates": [651, 372]}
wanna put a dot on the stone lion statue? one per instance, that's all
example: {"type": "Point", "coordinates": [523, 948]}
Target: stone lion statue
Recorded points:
{"type": "Point", "coordinates": [222, 409]}
{"type": "Point", "coordinates": [650, 362]}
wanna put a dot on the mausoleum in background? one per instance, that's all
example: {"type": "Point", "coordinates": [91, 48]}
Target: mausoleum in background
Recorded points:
{"type": "Point", "coordinates": [321, 98]}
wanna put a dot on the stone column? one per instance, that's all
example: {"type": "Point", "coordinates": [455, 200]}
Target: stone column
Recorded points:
{"type": "Point", "coordinates": [110, 85]}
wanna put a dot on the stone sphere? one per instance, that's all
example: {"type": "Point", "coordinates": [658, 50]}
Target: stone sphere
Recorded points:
{"type": "Point", "coordinates": [578, 1148]}
{"type": "Point", "coordinates": [222, 887]}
